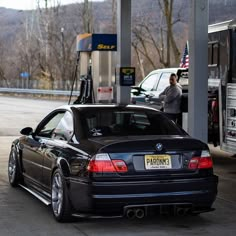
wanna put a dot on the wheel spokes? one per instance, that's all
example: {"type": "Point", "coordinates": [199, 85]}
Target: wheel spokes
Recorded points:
{"type": "Point", "coordinates": [57, 194]}
{"type": "Point", "coordinates": [12, 166]}
{"type": "Point", "coordinates": [58, 181]}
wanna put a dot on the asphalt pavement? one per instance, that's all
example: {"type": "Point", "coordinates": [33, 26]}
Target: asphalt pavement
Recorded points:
{"type": "Point", "coordinates": [22, 214]}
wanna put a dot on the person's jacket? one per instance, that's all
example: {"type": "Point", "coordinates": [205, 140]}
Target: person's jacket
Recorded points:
{"type": "Point", "coordinates": [172, 99]}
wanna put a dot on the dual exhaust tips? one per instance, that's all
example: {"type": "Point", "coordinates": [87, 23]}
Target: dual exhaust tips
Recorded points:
{"type": "Point", "coordinates": [140, 213]}
{"type": "Point", "coordinates": [135, 213]}
{"type": "Point", "coordinates": [182, 211]}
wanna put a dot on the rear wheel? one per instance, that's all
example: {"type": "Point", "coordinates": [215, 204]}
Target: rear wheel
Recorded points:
{"type": "Point", "coordinates": [60, 200]}
{"type": "Point", "coordinates": [14, 174]}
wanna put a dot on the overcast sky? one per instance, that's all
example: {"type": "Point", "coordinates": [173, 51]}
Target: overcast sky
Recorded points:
{"type": "Point", "coordinates": [30, 4]}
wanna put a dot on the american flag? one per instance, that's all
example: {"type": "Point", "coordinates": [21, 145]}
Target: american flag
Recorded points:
{"type": "Point", "coordinates": [185, 58]}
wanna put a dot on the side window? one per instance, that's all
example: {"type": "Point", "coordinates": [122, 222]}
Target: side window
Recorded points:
{"type": "Point", "coordinates": [213, 53]}
{"type": "Point", "coordinates": [149, 84]}
{"type": "Point", "coordinates": [163, 82]}
{"type": "Point", "coordinates": [64, 129]}
{"type": "Point", "coordinates": [210, 54]}
{"type": "Point", "coordinates": [47, 130]}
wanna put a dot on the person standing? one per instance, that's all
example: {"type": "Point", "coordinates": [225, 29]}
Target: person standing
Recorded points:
{"type": "Point", "coordinates": [172, 99]}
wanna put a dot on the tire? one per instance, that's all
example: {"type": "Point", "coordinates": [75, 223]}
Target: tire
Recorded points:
{"type": "Point", "coordinates": [14, 173]}
{"type": "Point", "coordinates": [61, 206]}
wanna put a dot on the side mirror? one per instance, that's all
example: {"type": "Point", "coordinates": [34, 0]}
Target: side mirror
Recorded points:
{"type": "Point", "coordinates": [136, 90]}
{"type": "Point", "coordinates": [27, 131]}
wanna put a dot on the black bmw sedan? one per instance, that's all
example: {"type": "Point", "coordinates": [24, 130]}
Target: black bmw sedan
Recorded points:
{"type": "Point", "coordinates": [111, 160]}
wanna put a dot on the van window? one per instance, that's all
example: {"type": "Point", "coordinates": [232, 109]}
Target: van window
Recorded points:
{"type": "Point", "coordinates": [150, 83]}
{"type": "Point", "coordinates": [163, 82]}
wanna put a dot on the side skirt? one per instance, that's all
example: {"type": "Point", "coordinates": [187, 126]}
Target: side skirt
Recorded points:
{"type": "Point", "coordinates": [39, 196]}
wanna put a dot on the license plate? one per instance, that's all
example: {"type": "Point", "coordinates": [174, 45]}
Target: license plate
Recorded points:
{"type": "Point", "coordinates": [153, 162]}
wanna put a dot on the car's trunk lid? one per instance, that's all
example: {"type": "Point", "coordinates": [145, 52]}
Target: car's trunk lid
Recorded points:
{"type": "Point", "coordinates": [152, 156]}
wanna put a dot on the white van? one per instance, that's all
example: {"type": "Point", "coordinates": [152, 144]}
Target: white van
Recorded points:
{"type": "Point", "coordinates": [147, 92]}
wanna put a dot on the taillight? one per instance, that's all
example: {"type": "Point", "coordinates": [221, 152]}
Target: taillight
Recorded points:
{"type": "Point", "coordinates": [202, 162]}
{"type": "Point", "coordinates": [102, 163]}
{"type": "Point", "coordinates": [193, 163]}
{"type": "Point", "coordinates": [119, 165]}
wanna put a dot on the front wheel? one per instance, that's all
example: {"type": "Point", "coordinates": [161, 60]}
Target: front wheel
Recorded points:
{"type": "Point", "coordinates": [60, 200]}
{"type": "Point", "coordinates": [14, 174]}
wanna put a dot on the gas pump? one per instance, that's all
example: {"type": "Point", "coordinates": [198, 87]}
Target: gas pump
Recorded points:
{"type": "Point", "coordinates": [97, 63]}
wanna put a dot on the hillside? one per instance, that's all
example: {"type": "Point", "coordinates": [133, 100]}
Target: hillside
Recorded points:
{"type": "Point", "coordinates": [22, 34]}
{"type": "Point", "coordinates": [11, 21]}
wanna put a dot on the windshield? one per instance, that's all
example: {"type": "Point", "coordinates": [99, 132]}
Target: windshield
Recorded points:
{"type": "Point", "coordinates": [123, 122]}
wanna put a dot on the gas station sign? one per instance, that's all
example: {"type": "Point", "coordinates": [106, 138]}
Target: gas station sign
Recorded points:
{"type": "Point", "coordinates": [96, 42]}
{"type": "Point", "coordinates": [127, 76]}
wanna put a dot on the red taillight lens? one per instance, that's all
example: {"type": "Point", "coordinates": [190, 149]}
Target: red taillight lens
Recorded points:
{"type": "Point", "coordinates": [202, 162]}
{"type": "Point", "coordinates": [193, 163]}
{"type": "Point", "coordinates": [101, 166]}
{"type": "Point", "coordinates": [103, 163]}
{"type": "Point", "coordinates": [120, 165]}
{"type": "Point", "coordinates": [205, 163]}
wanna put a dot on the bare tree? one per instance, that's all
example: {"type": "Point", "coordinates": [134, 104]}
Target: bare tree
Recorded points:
{"type": "Point", "coordinates": [3, 78]}
{"type": "Point", "coordinates": [154, 39]}
{"type": "Point", "coordinates": [139, 58]}
{"type": "Point", "coordinates": [166, 7]}
{"type": "Point", "coordinates": [114, 16]}
{"type": "Point", "coordinates": [57, 40]}
{"type": "Point", "coordinates": [87, 17]}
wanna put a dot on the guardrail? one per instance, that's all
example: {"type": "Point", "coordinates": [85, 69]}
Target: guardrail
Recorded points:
{"type": "Point", "coordinates": [39, 91]}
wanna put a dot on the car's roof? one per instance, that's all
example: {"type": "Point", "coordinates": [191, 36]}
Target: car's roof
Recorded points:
{"type": "Point", "coordinates": [174, 70]}
{"type": "Point", "coordinates": [99, 105]}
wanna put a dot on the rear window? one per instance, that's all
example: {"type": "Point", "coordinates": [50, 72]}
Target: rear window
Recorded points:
{"type": "Point", "coordinates": [114, 122]}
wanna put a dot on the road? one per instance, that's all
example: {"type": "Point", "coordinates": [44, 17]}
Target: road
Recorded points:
{"type": "Point", "coordinates": [17, 113]}
{"type": "Point", "coordinates": [22, 214]}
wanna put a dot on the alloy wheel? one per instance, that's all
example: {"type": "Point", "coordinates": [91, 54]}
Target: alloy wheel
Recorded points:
{"type": "Point", "coordinates": [57, 194]}
{"type": "Point", "coordinates": [12, 166]}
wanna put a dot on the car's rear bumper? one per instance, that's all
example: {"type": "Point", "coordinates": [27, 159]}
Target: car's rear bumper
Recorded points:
{"type": "Point", "coordinates": [115, 197]}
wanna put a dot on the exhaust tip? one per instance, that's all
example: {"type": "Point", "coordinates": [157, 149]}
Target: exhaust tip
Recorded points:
{"type": "Point", "coordinates": [139, 213]}
{"type": "Point", "coordinates": [182, 211]}
{"type": "Point", "coordinates": [130, 214]}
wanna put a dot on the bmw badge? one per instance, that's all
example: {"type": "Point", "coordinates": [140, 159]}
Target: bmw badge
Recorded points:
{"type": "Point", "coordinates": [159, 146]}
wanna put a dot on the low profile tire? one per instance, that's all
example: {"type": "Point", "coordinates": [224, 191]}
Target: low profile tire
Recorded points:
{"type": "Point", "coordinates": [14, 173]}
{"type": "Point", "coordinates": [61, 206]}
